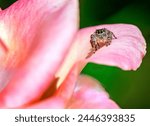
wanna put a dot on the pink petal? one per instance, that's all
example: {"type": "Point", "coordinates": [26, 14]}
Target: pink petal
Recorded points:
{"type": "Point", "coordinates": [125, 52]}
{"type": "Point", "coordinates": [38, 35]}
{"type": "Point", "coordinates": [85, 93]}
{"type": "Point", "coordinates": [89, 94]}
{"type": "Point", "coordinates": [51, 103]}
{"type": "Point", "coordinates": [63, 94]}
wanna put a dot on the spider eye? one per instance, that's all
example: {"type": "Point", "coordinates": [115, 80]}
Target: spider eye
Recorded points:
{"type": "Point", "coordinates": [98, 31]}
{"type": "Point", "coordinates": [103, 30]}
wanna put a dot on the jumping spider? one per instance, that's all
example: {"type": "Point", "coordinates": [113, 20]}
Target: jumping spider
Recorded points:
{"type": "Point", "coordinates": [101, 37]}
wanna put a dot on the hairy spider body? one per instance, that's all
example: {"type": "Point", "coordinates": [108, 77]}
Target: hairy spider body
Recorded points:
{"type": "Point", "coordinates": [101, 37]}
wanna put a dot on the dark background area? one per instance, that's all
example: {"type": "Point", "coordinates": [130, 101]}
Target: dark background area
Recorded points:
{"type": "Point", "coordinates": [130, 89]}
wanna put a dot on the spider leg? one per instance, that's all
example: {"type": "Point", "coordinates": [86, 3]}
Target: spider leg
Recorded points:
{"type": "Point", "coordinates": [92, 43]}
{"type": "Point", "coordinates": [108, 42]}
{"type": "Point", "coordinates": [96, 47]}
{"type": "Point", "coordinates": [114, 35]}
{"type": "Point", "coordinates": [92, 51]}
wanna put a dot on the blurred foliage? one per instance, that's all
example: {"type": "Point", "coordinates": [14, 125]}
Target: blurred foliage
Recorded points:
{"type": "Point", "coordinates": [5, 3]}
{"type": "Point", "coordinates": [130, 89]}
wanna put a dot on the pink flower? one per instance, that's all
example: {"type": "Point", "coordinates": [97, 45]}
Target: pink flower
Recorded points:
{"type": "Point", "coordinates": [42, 52]}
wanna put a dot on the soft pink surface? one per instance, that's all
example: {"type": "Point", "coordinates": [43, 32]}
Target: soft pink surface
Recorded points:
{"type": "Point", "coordinates": [41, 33]}
{"type": "Point", "coordinates": [126, 52]}
{"type": "Point", "coordinates": [83, 93]}
{"type": "Point", "coordinates": [89, 94]}
{"type": "Point", "coordinates": [62, 95]}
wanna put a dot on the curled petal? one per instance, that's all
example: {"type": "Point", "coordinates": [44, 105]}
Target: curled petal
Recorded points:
{"type": "Point", "coordinates": [88, 94]}
{"type": "Point", "coordinates": [38, 35]}
{"type": "Point", "coordinates": [125, 52]}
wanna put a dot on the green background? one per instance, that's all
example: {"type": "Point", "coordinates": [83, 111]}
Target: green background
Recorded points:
{"type": "Point", "coordinates": [130, 89]}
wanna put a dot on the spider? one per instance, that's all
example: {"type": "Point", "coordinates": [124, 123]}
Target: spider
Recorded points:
{"type": "Point", "coordinates": [101, 37]}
